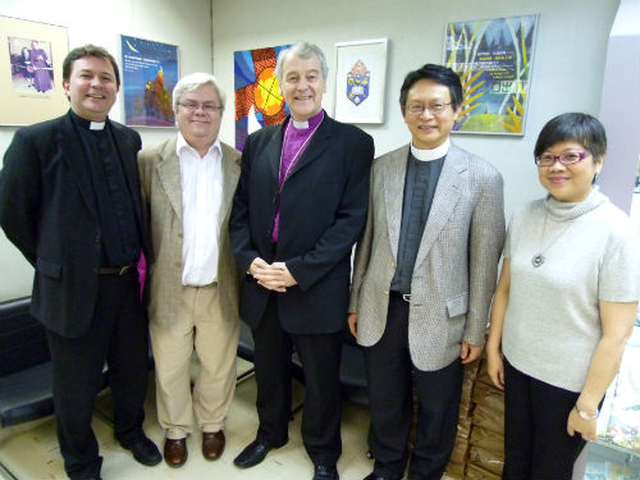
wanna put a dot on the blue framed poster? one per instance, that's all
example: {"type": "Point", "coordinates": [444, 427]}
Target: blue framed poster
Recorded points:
{"type": "Point", "coordinates": [149, 74]}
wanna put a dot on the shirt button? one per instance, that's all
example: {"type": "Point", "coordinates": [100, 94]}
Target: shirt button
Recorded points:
{"type": "Point", "coordinates": [386, 292]}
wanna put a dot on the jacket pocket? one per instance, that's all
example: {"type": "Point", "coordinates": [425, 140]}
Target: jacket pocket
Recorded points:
{"type": "Point", "coordinates": [458, 305]}
{"type": "Point", "coordinates": [50, 269]}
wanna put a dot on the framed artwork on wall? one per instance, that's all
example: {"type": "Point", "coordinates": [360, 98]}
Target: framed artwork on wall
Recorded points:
{"type": "Point", "coordinates": [361, 70]}
{"type": "Point", "coordinates": [494, 60]}
{"type": "Point", "coordinates": [258, 101]}
{"type": "Point", "coordinates": [149, 74]}
{"type": "Point", "coordinates": [31, 71]}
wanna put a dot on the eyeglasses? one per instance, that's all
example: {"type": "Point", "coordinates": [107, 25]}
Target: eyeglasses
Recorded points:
{"type": "Point", "coordinates": [434, 109]}
{"type": "Point", "coordinates": [566, 158]}
{"type": "Point", "coordinates": [206, 107]}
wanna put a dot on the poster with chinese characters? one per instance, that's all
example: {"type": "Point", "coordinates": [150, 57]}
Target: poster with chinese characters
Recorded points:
{"type": "Point", "coordinates": [494, 60]}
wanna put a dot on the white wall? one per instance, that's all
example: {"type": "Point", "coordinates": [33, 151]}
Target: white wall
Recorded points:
{"type": "Point", "coordinates": [620, 105]}
{"type": "Point", "coordinates": [567, 71]}
{"type": "Point", "coordinates": [186, 24]}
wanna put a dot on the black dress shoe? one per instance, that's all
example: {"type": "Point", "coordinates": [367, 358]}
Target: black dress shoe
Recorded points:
{"type": "Point", "coordinates": [326, 472]}
{"type": "Point", "coordinates": [252, 455]}
{"type": "Point", "coordinates": [373, 476]}
{"type": "Point", "coordinates": [144, 450]}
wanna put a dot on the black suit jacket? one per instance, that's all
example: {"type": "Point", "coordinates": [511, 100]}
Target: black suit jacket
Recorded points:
{"type": "Point", "coordinates": [323, 207]}
{"type": "Point", "coordinates": [48, 210]}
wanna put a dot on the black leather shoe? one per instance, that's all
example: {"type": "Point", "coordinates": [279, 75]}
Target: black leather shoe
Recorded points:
{"type": "Point", "coordinates": [252, 455]}
{"type": "Point", "coordinates": [326, 472]}
{"type": "Point", "coordinates": [373, 476]}
{"type": "Point", "coordinates": [144, 451]}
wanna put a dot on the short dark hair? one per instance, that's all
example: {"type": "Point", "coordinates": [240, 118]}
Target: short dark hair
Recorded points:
{"type": "Point", "coordinates": [88, 51]}
{"type": "Point", "coordinates": [579, 127]}
{"type": "Point", "coordinates": [439, 74]}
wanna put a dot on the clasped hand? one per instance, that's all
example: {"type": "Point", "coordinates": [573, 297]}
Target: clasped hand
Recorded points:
{"type": "Point", "coordinates": [274, 276]}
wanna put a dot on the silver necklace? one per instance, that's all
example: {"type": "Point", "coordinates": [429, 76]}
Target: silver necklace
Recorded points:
{"type": "Point", "coordinates": [538, 259]}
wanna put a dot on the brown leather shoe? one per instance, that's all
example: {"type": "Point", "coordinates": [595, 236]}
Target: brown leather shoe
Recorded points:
{"type": "Point", "coordinates": [212, 445]}
{"type": "Point", "coordinates": [175, 452]}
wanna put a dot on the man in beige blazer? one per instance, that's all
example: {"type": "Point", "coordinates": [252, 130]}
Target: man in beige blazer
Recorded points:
{"type": "Point", "coordinates": [188, 183]}
{"type": "Point", "coordinates": [424, 275]}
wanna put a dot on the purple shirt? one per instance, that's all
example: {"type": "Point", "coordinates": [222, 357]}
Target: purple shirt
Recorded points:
{"type": "Point", "coordinates": [296, 139]}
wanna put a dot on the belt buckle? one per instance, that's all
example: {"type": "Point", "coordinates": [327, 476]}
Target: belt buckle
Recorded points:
{"type": "Point", "coordinates": [406, 297]}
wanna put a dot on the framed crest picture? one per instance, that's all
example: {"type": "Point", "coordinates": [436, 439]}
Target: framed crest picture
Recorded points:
{"type": "Point", "coordinates": [361, 70]}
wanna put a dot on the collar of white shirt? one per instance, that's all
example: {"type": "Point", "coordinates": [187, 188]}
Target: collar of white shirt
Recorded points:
{"type": "Point", "coordinates": [182, 144]}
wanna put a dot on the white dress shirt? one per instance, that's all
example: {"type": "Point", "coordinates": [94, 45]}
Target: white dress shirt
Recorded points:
{"type": "Point", "coordinates": [201, 180]}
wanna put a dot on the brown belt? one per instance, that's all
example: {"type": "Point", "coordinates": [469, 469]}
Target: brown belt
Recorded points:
{"type": "Point", "coordinates": [120, 271]}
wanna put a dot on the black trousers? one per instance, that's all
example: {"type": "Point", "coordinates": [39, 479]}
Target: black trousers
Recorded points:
{"type": "Point", "coordinates": [536, 443]}
{"type": "Point", "coordinates": [118, 335]}
{"type": "Point", "coordinates": [391, 376]}
{"type": "Point", "coordinates": [320, 356]}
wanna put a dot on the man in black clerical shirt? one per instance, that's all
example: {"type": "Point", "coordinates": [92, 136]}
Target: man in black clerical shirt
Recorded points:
{"type": "Point", "coordinates": [70, 202]}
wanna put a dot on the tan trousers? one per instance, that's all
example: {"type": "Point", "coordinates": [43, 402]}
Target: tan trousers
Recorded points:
{"type": "Point", "coordinates": [200, 325]}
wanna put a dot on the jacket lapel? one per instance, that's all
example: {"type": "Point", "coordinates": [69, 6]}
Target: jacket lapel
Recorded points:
{"type": "Point", "coordinates": [230, 175]}
{"type": "Point", "coordinates": [272, 152]}
{"type": "Point", "coordinates": [75, 156]}
{"type": "Point", "coordinates": [318, 144]}
{"type": "Point", "coordinates": [394, 178]}
{"type": "Point", "coordinates": [169, 175]}
{"type": "Point", "coordinates": [130, 167]}
{"type": "Point", "coordinates": [446, 197]}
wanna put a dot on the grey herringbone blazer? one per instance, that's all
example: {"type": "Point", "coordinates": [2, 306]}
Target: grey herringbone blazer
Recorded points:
{"type": "Point", "coordinates": [162, 214]}
{"type": "Point", "coordinates": [455, 271]}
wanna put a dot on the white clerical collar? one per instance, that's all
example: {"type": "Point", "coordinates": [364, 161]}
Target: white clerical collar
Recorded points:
{"type": "Point", "coordinates": [432, 154]}
{"type": "Point", "coordinates": [300, 125]}
{"type": "Point", "coordinates": [97, 125]}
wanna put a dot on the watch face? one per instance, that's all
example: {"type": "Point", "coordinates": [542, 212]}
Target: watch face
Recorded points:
{"type": "Point", "coordinates": [585, 415]}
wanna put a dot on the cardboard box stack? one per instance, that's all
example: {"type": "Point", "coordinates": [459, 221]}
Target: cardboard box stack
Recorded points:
{"type": "Point", "coordinates": [478, 452]}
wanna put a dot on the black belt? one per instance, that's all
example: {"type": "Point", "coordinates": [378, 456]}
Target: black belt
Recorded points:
{"type": "Point", "coordinates": [404, 296]}
{"type": "Point", "coordinates": [120, 271]}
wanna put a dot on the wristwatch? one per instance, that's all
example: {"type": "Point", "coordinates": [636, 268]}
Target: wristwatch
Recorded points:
{"type": "Point", "coordinates": [585, 415]}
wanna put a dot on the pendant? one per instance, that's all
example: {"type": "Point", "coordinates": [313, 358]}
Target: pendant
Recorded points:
{"type": "Point", "coordinates": [537, 260]}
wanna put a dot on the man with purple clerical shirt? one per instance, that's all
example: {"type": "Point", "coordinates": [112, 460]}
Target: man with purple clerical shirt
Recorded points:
{"type": "Point", "coordinates": [300, 206]}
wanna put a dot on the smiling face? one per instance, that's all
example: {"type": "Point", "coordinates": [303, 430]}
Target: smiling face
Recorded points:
{"type": "Point", "coordinates": [569, 183]}
{"type": "Point", "coordinates": [91, 88]}
{"type": "Point", "coordinates": [200, 126]}
{"type": "Point", "coordinates": [429, 131]}
{"type": "Point", "coordinates": [302, 86]}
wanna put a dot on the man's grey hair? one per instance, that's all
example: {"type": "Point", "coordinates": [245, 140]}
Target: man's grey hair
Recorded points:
{"type": "Point", "coordinates": [303, 50]}
{"type": "Point", "coordinates": [192, 82]}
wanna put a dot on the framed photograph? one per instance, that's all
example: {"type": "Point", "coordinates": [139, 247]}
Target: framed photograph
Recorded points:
{"type": "Point", "coordinates": [361, 70]}
{"type": "Point", "coordinates": [494, 60]}
{"type": "Point", "coordinates": [258, 101]}
{"type": "Point", "coordinates": [31, 71]}
{"type": "Point", "coordinates": [149, 75]}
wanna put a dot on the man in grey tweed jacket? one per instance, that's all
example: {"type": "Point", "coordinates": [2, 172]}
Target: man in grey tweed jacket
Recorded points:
{"type": "Point", "coordinates": [424, 276]}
